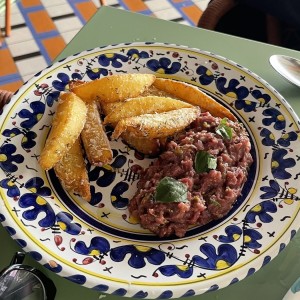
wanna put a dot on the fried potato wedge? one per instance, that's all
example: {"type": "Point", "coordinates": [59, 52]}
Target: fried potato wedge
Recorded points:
{"type": "Point", "coordinates": [153, 91]}
{"type": "Point", "coordinates": [71, 172]}
{"type": "Point", "coordinates": [73, 83]}
{"type": "Point", "coordinates": [144, 105]}
{"type": "Point", "coordinates": [115, 87]}
{"type": "Point", "coordinates": [157, 125]}
{"type": "Point", "coordinates": [193, 95]}
{"type": "Point", "coordinates": [108, 108]}
{"type": "Point", "coordinates": [95, 141]}
{"type": "Point", "coordinates": [143, 145]}
{"type": "Point", "coordinates": [67, 124]}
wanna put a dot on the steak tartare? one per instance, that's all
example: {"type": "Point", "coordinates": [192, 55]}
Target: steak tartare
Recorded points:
{"type": "Point", "coordinates": [196, 179]}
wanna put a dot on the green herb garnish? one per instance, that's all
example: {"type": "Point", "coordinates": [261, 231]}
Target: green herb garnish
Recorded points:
{"type": "Point", "coordinates": [170, 190]}
{"type": "Point", "coordinates": [224, 130]}
{"type": "Point", "coordinates": [204, 162]}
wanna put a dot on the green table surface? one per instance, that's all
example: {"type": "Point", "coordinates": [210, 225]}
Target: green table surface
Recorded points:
{"type": "Point", "coordinates": [111, 26]}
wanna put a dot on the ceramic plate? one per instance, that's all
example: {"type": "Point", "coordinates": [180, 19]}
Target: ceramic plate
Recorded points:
{"type": "Point", "coordinates": [96, 244]}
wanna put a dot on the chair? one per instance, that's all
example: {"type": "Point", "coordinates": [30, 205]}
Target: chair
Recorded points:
{"type": "Point", "coordinates": [7, 17]}
{"type": "Point", "coordinates": [6, 5]}
{"type": "Point", "coordinates": [233, 17]}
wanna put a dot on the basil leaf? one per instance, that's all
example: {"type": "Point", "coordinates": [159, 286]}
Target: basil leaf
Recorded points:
{"type": "Point", "coordinates": [204, 162]}
{"type": "Point", "coordinates": [170, 190]}
{"type": "Point", "coordinates": [224, 130]}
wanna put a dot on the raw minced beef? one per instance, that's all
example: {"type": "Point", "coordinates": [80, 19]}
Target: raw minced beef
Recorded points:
{"type": "Point", "coordinates": [210, 194]}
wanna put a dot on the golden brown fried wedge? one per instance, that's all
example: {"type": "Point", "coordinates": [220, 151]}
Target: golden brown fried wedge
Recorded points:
{"type": "Point", "coordinates": [73, 83]}
{"type": "Point", "coordinates": [157, 125]}
{"type": "Point", "coordinates": [193, 95]}
{"type": "Point", "coordinates": [143, 145]}
{"type": "Point", "coordinates": [67, 124]}
{"type": "Point", "coordinates": [115, 87]}
{"type": "Point", "coordinates": [144, 105]}
{"type": "Point", "coordinates": [72, 173]}
{"type": "Point", "coordinates": [153, 91]}
{"type": "Point", "coordinates": [108, 108]}
{"type": "Point", "coordinates": [95, 141]}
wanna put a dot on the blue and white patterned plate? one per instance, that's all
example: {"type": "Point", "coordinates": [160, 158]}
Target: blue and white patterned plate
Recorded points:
{"type": "Point", "coordinates": [96, 244]}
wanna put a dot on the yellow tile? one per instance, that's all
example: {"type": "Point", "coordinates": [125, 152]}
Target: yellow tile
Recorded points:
{"type": "Point", "coordinates": [137, 5]}
{"type": "Point", "coordinates": [12, 86]}
{"type": "Point", "coordinates": [41, 21]}
{"type": "Point", "coordinates": [30, 3]}
{"type": "Point", "coordinates": [193, 12]}
{"type": "Point", "coordinates": [87, 9]}
{"type": "Point", "coordinates": [7, 63]}
{"type": "Point", "coordinates": [54, 46]}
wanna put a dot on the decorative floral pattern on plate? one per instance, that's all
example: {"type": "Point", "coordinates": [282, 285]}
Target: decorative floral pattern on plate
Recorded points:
{"type": "Point", "coordinates": [98, 244]}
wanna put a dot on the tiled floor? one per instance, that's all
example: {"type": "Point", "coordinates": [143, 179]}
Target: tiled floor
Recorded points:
{"type": "Point", "coordinates": [34, 44]}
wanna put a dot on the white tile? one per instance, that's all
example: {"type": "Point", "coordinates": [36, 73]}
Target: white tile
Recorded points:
{"type": "Point", "coordinates": [19, 35]}
{"type": "Point", "coordinates": [111, 2]}
{"type": "Point", "coordinates": [48, 3]}
{"type": "Point", "coordinates": [202, 4]}
{"type": "Point", "coordinates": [68, 24]}
{"type": "Point", "coordinates": [168, 14]}
{"type": "Point", "coordinates": [31, 65]}
{"type": "Point", "coordinates": [184, 22]}
{"type": "Point", "coordinates": [68, 36]}
{"type": "Point", "coordinates": [25, 78]}
{"type": "Point", "coordinates": [22, 48]}
{"type": "Point", "coordinates": [59, 10]}
{"type": "Point", "coordinates": [17, 19]}
{"type": "Point", "coordinates": [15, 9]}
{"type": "Point", "coordinates": [96, 2]}
{"type": "Point", "coordinates": [156, 5]}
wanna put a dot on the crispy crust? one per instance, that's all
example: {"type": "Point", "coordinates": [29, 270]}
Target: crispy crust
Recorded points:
{"type": "Point", "coordinates": [157, 125]}
{"type": "Point", "coordinates": [72, 173]}
{"type": "Point", "coordinates": [95, 141]}
{"type": "Point", "coordinates": [151, 147]}
{"type": "Point", "coordinates": [144, 105]}
{"type": "Point", "coordinates": [67, 124]}
{"type": "Point", "coordinates": [193, 95]}
{"type": "Point", "coordinates": [115, 87]}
